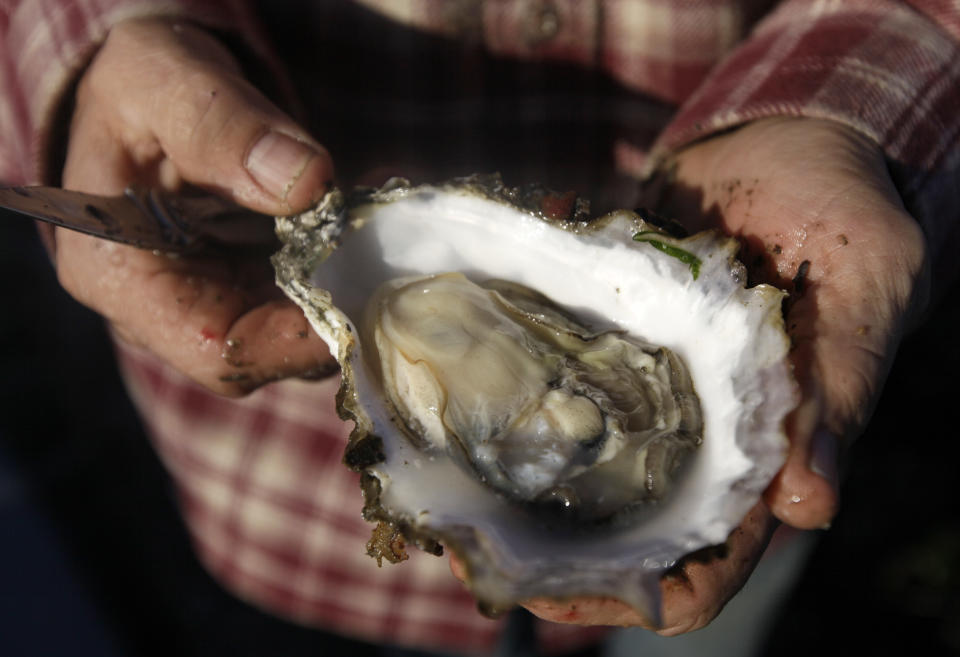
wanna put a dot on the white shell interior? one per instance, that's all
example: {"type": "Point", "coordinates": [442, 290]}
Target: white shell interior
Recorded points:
{"type": "Point", "coordinates": [731, 339]}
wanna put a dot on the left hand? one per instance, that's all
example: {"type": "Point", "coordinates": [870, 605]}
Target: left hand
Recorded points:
{"type": "Point", "coordinates": [794, 191]}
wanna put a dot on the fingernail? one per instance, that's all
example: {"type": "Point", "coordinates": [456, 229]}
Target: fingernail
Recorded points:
{"type": "Point", "coordinates": [823, 456]}
{"type": "Point", "coordinates": [276, 161]}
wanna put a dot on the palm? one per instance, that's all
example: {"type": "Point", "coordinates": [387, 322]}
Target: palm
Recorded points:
{"type": "Point", "coordinates": [803, 191]}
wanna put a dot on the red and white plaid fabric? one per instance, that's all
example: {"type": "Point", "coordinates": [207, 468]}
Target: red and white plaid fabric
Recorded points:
{"type": "Point", "coordinates": [272, 511]}
{"type": "Point", "coordinates": [275, 515]}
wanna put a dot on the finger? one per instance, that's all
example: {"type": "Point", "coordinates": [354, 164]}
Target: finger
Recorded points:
{"type": "Point", "coordinates": [805, 493]}
{"type": "Point", "coordinates": [588, 611]}
{"type": "Point", "coordinates": [191, 105]}
{"type": "Point", "coordinates": [693, 592]}
{"type": "Point", "coordinates": [697, 590]}
{"type": "Point", "coordinates": [193, 315]}
{"type": "Point", "coordinates": [269, 342]}
{"type": "Point", "coordinates": [577, 611]}
{"type": "Point", "coordinates": [844, 326]}
{"type": "Point", "coordinates": [96, 161]}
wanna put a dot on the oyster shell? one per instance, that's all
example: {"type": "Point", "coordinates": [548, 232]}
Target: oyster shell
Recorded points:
{"type": "Point", "coordinates": [679, 302]}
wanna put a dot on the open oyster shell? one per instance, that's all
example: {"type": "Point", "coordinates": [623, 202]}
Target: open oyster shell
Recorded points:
{"type": "Point", "coordinates": [687, 295]}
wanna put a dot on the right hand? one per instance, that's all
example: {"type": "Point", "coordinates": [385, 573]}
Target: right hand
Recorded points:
{"type": "Point", "coordinates": [164, 103]}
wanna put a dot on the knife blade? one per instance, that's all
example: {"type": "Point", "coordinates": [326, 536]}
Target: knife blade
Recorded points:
{"type": "Point", "coordinates": [147, 218]}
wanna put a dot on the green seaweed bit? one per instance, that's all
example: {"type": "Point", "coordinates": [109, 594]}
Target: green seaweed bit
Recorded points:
{"type": "Point", "coordinates": [685, 257]}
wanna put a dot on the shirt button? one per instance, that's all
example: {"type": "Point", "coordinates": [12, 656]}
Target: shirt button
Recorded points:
{"type": "Point", "coordinates": [543, 22]}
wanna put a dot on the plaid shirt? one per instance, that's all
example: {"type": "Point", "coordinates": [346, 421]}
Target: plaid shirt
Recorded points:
{"type": "Point", "coordinates": [272, 511]}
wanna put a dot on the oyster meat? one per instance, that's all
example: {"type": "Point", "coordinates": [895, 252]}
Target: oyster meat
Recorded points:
{"type": "Point", "coordinates": [570, 404]}
{"type": "Point", "coordinates": [543, 410]}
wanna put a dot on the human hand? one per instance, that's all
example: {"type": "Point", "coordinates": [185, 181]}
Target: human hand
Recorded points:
{"type": "Point", "coordinates": [692, 593]}
{"type": "Point", "coordinates": [794, 191]}
{"type": "Point", "coordinates": [801, 191]}
{"type": "Point", "coordinates": [162, 104]}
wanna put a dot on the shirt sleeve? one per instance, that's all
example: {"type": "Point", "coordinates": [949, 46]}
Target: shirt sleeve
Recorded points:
{"type": "Point", "coordinates": [44, 44]}
{"type": "Point", "coordinates": [890, 70]}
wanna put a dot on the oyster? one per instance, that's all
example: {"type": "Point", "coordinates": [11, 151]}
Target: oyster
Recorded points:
{"type": "Point", "coordinates": [548, 413]}
{"type": "Point", "coordinates": [571, 405]}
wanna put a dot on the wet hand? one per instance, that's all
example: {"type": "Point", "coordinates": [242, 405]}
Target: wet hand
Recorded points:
{"type": "Point", "coordinates": [164, 104]}
{"type": "Point", "coordinates": [818, 215]}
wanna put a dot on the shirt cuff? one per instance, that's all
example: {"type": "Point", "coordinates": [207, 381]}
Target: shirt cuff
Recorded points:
{"type": "Point", "coordinates": [879, 67]}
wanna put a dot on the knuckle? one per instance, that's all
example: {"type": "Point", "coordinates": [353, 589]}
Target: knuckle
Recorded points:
{"type": "Point", "coordinates": [196, 96]}
{"type": "Point", "coordinates": [209, 119]}
{"type": "Point", "coordinates": [689, 624]}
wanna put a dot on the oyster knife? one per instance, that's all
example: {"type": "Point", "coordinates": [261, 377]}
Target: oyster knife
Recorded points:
{"type": "Point", "coordinates": [142, 217]}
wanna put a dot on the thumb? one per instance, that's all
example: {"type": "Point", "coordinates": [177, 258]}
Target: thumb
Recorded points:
{"type": "Point", "coordinates": [805, 493]}
{"type": "Point", "coordinates": [189, 103]}
{"type": "Point", "coordinates": [226, 137]}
